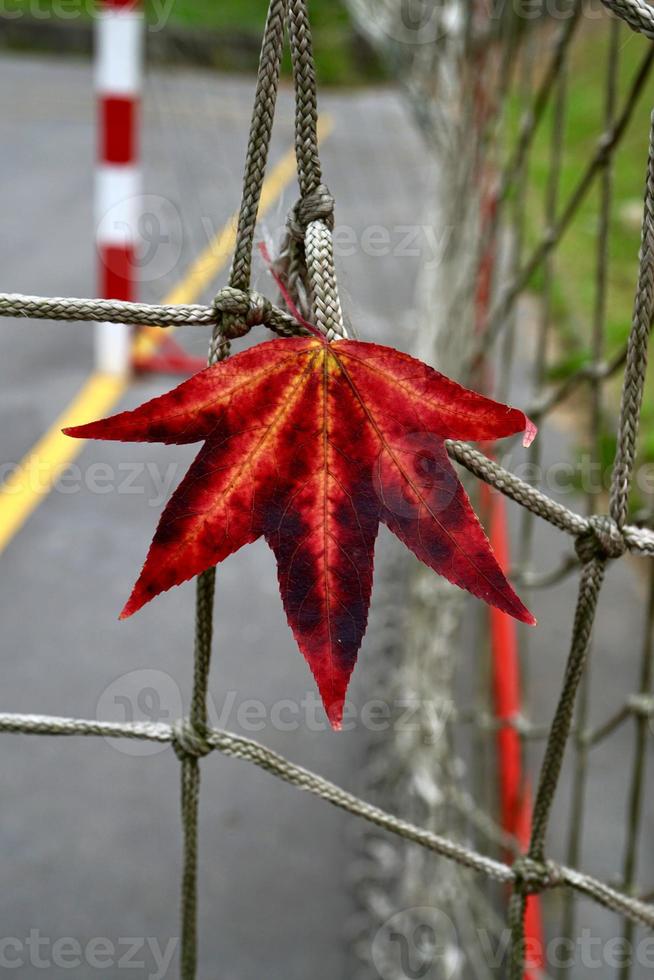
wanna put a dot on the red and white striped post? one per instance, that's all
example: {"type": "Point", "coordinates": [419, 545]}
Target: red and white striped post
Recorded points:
{"type": "Point", "coordinates": [119, 31]}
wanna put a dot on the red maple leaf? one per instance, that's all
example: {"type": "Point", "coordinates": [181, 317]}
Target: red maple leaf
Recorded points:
{"type": "Point", "coordinates": [311, 444]}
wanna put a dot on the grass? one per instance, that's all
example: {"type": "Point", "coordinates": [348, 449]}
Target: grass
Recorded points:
{"type": "Point", "coordinates": [573, 298]}
{"type": "Point", "coordinates": [342, 58]}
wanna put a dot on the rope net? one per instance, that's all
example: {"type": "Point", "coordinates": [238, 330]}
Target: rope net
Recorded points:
{"type": "Point", "coordinates": [503, 141]}
{"type": "Point", "coordinates": [463, 82]}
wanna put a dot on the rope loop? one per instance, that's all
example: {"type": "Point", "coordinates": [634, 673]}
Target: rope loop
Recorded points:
{"type": "Point", "coordinates": [238, 310]}
{"type": "Point", "coordinates": [602, 540]}
{"type": "Point", "coordinates": [189, 741]}
{"type": "Point", "coordinates": [641, 705]}
{"type": "Point", "coordinates": [532, 877]}
{"type": "Point", "coordinates": [317, 205]}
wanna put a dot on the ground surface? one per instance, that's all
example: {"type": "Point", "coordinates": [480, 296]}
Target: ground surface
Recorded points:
{"type": "Point", "coordinates": [89, 832]}
{"type": "Point", "coordinates": [90, 837]}
{"type": "Point", "coordinates": [198, 32]}
{"type": "Point", "coordinates": [612, 676]}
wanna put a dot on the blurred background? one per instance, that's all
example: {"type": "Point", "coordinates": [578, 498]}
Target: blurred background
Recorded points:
{"type": "Point", "coordinates": [487, 161]}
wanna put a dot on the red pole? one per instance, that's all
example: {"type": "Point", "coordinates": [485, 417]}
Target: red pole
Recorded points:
{"type": "Point", "coordinates": [514, 791]}
{"type": "Point", "coordinates": [118, 73]}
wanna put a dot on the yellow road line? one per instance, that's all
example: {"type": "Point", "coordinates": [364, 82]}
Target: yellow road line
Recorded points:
{"type": "Point", "coordinates": [37, 473]}
{"type": "Point", "coordinates": [203, 270]}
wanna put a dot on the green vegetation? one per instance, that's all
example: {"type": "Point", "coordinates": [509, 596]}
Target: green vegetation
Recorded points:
{"type": "Point", "coordinates": [340, 56]}
{"type": "Point", "coordinates": [573, 297]}
{"type": "Point", "coordinates": [223, 33]}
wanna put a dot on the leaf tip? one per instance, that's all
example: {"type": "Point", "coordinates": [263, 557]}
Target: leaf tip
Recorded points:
{"type": "Point", "coordinates": [334, 703]}
{"type": "Point", "coordinates": [335, 715]}
{"type": "Point", "coordinates": [526, 616]}
{"type": "Point", "coordinates": [523, 615]}
{"type": "Point", "coordinates": [531, 431]}
{"type": "Point", "coordinates": [132, 605]}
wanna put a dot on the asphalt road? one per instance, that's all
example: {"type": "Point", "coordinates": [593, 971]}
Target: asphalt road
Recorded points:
{"type": "Point", "coordinates": [90, 831]}
{"type": "Point", "coordinates": [612, 677]}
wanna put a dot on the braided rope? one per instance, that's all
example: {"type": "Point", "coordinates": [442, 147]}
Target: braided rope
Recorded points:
{"type": "Point", "coordinates": [603, 540]}
{"type": "Point", "coordinates": [237, 311]}
{"type": "Point", "coordinates": [291, 265]}
{"type": "Point", "coordinates": [604, 537]}
{"type": "Point", "coordinates": [108, 310]}
{"type": "Point", "coordinates": [242, 310]}
{"type": "Point", "coordinates": [327, 311]}
{"type": "Point", "coordinates": [533, 875]}
{"type": "Point", "coordinates": [638, 14]}
{"type": "Point", "coordinates": [636, 366]}
{"type": "Point", "coordinates": [306, 106]}
{"type": "Point", "coordinates": [553, 235]}
{"type": "Point", "coordinates": [259, 141]}
{"type": "Point", "coordinates": [589, 590]}
{"type": "Point", "coordinates": [598, 538]}
{"type": "Point", "coordinates": [234, 309]}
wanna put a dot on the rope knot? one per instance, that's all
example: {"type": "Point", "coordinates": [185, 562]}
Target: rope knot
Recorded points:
{"type": "Point", "coordinates": [238, 310]}
{"type": "Point", "coordinates": [189, 741]}
{"type": "Point", "coordinates": [532, 877]}
{"type": "Point", "coordinates": [602, 540]}
{"type": "Point", "coordinates": [317, 205]}
{"type": "Point", "coordinates": [641, 705]}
